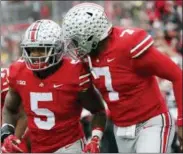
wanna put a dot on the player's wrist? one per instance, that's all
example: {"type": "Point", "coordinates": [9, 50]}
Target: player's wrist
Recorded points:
{"type": "Point", "coordinates": [179, 121]}
{"type": "Point", "coordinates": [6, 130]}
{"type": "Point", "coordinates": [97, 133]}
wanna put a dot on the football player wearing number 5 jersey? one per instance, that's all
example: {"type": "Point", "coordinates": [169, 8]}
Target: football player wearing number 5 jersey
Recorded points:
{"type": "Point", "coordinates": [53, 91]}
{"type": "Point", "coordinates": [124, 64]}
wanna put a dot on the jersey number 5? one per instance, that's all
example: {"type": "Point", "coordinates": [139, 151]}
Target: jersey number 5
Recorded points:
{"type": "Point", "coordinates": [35, 98]}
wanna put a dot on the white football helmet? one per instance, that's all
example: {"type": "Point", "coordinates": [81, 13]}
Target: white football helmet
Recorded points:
{"type": "Point", "coordinates": [84, 26]}
{"type": "Point", "coordinates": [43, 34]}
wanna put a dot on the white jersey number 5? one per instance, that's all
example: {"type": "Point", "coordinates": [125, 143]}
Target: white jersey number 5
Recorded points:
{"type": "Point", "coordinates": [35, 98]}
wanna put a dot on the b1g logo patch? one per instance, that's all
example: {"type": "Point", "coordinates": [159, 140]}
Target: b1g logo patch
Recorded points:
{"type": "Point", "coordinates": [21, 82]}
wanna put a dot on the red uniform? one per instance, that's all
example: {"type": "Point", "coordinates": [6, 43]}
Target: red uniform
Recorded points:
{"type": "Point", "coordinates": [4, 85]}
{"type": "Point", "coordinates": [51, 104]}
{"type": "Point", "coordinates": [126, 77]}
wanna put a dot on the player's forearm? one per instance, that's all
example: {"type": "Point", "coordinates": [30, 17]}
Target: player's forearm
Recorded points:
{"type": "Point", "coordinates": [21, 124]}
{"type": "Point", "coordinates": [11, 107]}
{"type": "Point", "coordinates": [99, 120]}
{"type": "Point", "coordinates": [98, 124]}
{"type": "Point", "coordinates": [9, 119]}
{"type": "Point", "coordinates": [9, 116]}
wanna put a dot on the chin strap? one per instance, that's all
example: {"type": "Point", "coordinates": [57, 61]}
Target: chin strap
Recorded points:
{"type": "Point", "coordinates": [91, 67]}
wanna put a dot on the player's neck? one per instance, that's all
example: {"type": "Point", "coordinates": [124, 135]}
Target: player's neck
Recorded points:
{"type": "Point", "coordinates": [103, 45]}
{"type": "Point", "coordinates": [101, 48]}
{"type": "Point", "coordinates": [45, 73]}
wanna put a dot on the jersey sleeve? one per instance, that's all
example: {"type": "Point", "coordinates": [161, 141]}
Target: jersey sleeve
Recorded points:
{"type": "Point", "coordinates": [4, 84]}
{"type": "Point", "coordinates": [154, 63]}
{"type": "Point", "coordinates": [141, 41]}
{"type": "Point", "coordinates": [14, 70]}
{"type": "Point", "coordinates": [4, 80]}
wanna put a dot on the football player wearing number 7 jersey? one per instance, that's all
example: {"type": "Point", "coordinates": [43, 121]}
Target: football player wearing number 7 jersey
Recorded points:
{"type": "Point", "coordinates": [53, 91]}
{"type": "Point", "coordinates": [124, 64]}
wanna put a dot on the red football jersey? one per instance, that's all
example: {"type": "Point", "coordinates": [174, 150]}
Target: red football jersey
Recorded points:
{"type": "Point", "coordinates": [51, 104]}
{"type": "Point", "coordinates": [4, 85]}
{"type": "Point", "coordinates": [131, 98]}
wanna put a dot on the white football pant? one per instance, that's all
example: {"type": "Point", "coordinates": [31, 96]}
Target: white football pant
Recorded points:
{"type": "Point", "coordinates": [76, 147]}
{"type": "Point", "coordinates": [152, 136]}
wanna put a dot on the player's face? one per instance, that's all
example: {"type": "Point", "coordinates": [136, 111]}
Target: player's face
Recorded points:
{"type": "Point", "coordinates": [37, 52]}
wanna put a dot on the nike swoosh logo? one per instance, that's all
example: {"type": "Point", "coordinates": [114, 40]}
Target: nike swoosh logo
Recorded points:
{"type": "Point", "coordinates": [56, 86]}
{"type": "Point", "coordinates": [110, 60]}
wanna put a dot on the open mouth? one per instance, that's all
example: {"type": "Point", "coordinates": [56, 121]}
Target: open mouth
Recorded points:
{"type": "Point", "coordinates": [38, 60]}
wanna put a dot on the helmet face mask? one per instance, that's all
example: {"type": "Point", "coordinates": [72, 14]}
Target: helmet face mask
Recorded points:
{"type": "Point", "coordinates": [87, 24]}
{"type": "Point", "coordinates": [77, 48]}
{"type": "Point", "coordinates": [49, 56]}
{"type": "Point", "coordinates": [47, 41]}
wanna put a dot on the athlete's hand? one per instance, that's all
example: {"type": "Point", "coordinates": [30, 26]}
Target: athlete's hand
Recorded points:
{"type": "Point", "coordinates": [11, 144]}
{"type": "Point", "coordinates": [93, 145]}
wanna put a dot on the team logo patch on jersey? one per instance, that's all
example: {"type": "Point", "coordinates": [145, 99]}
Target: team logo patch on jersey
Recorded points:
{"type": "Point", "coordinates": [21, 82]}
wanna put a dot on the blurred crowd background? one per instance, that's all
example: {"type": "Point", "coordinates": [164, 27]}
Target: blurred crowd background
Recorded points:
{"type": "Point", "coordinates": [162, 19]}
